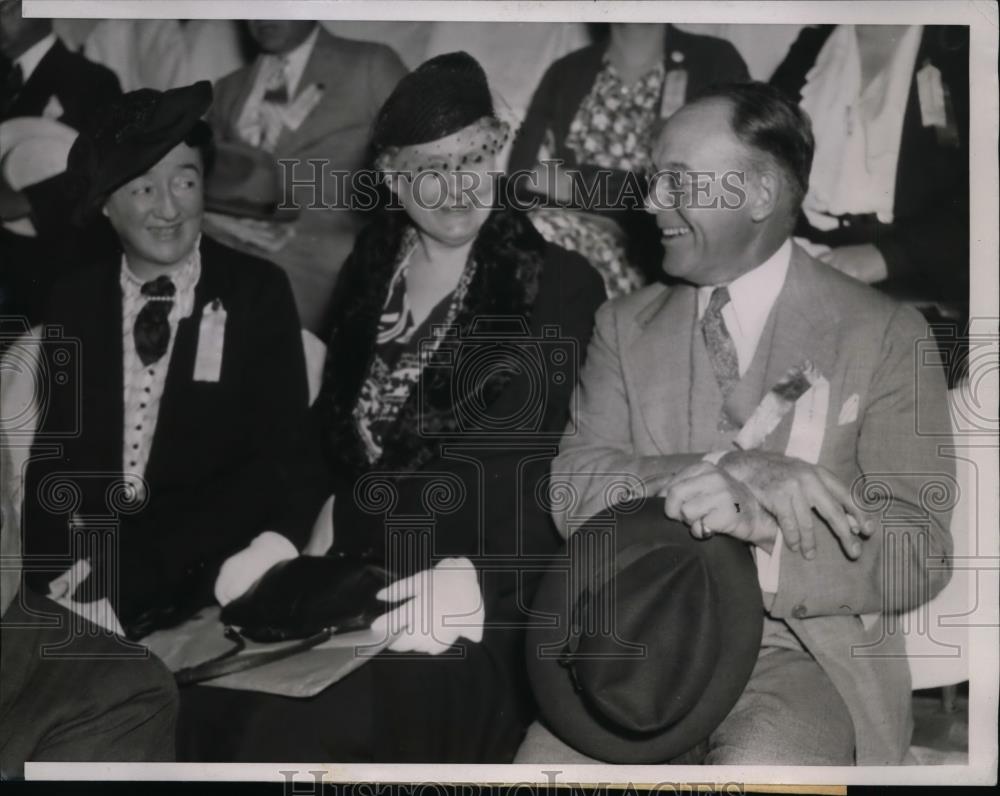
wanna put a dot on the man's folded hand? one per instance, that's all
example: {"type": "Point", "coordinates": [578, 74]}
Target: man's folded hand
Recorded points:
{"type": "Point", "coordinates": [796, 493]}
{"type": "Point", "coordinates": [711, 501]}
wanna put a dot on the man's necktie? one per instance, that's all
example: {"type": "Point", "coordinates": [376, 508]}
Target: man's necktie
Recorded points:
{"type": "Point", "coordinates": [152, 328]}
{"type": "Point", "coordinates": [11, 86]}
{"type": "Point", "coordinates": [276, 88]}
{"type": "Point", "coordinates": [721, 348]}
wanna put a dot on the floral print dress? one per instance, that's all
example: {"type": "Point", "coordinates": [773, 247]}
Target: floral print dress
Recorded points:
{"type": "Point", "coordinates": [612, 130]}
{"type": "Point", "coordinates": [402, 348]}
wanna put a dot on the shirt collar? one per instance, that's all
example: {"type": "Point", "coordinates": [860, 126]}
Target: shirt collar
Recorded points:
{"type": "Point", "coordinates": [30, 58]}
{"type": "Point", "coordinates": [752, 295]}
{"type": "Point", "coordinates": [296, 61]}
{"type": "Point", "coordinates": [185, 280]}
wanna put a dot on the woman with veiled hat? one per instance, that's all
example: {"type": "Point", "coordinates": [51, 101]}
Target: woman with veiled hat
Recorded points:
{"type": "Point", "coordinates": [457, 333]}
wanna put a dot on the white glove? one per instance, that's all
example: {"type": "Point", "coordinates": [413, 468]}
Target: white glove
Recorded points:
{"type": "Point", "coordinates": [241, 570]}
{"type": "Point", "coordinates": [444, 605]}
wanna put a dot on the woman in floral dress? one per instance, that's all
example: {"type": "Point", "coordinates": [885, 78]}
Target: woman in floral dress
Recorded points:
{"type": "Point", "coordinates": [585, 142]}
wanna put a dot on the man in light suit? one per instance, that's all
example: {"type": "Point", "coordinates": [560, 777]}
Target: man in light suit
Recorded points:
{"type": "Point", "coordinates": [309, 96]}
{"type": "Point", "coordinates": [769, 397]}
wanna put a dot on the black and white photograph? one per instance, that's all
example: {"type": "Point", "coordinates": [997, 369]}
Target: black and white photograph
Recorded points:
{"type": "Point", "coordinates": [550, 392]}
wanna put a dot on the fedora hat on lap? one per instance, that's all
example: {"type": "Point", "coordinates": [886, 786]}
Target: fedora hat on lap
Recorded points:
{"type": "Point", "coordinates": [656, 635]}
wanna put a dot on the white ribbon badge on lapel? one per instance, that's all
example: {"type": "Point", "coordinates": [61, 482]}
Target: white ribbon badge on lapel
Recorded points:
{"type": "Point", "coordinates": [806, 390]}
{"type": "Point", "coordinates": [296, 112]}
{"type": "Point", "coordinates": [211, 338]}
{"type": "Point", "coordinates": [789, 390]}
{"type": "Point", "coordinates": [674, 91]}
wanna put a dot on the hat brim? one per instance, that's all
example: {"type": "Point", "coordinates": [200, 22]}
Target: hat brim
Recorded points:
{"type": "Point", "coordinates": [740, 612]}
{"type": "Point", "coordinates": [188, 105]}
{"type": "Point", "coordinates": [28, 128]}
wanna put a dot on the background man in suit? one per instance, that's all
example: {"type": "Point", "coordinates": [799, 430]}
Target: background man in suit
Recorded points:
{"type": "Point", "coordinates": [192, 374]}
{"type": "Point", "coordinates": [43, 78]}
{"type": "Point", "coordinates": [763, 396]}
{"type": "Point", "coordinates": [39, 76]}
{"type": "Point", "coordinates": [309, 95]}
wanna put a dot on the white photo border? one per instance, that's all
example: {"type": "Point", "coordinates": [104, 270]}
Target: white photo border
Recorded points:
{"type": "Point", "coordinates": [984, 641]}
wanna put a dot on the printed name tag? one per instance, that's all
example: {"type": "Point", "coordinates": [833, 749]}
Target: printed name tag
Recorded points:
{"type": "Point", "coordinates": [930, 92]}
{"type": "Point", "coordinates": [674, 92]}
{"type": "Point", "coordinates": [809, 423]}
{"type": "Point", "coordinates": [211, 337]}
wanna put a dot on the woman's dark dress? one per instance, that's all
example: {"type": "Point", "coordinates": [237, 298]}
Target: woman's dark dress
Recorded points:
{"type": "Point", "coordinates": [529, 303]}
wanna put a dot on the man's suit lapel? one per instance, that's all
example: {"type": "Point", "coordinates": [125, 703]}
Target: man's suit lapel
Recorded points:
{"type": "Point", "coordinates": [659, 365]}
{"type": "Point", "coordinates": [237, 99]}
{"type": "Point", "coordinates": [804, 329]}
{"type": "Point", "coordinates": [42, 84]}
{"type": "Point", "coordinates": [324, 64]}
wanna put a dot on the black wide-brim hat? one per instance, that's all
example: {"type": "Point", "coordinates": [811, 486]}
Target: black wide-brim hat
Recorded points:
{"type": "Point", "coordinates": [652, 644]}
{"type": "Point", "coordinates": [130, 135]}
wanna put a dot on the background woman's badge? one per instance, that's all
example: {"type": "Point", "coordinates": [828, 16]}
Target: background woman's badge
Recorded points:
{"type": "Point", "coordinates": [674, 92]}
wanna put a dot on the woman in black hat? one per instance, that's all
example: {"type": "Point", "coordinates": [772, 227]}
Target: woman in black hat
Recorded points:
{"type": "Point", "coordinates": [457, 332]}
{"type": "Point", "coordinates": [177, 371]}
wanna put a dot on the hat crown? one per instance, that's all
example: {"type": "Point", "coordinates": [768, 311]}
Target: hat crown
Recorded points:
{"type": "Point", "coordinates": [657, 682]}
{"type": "Point", "coordinates": [438, 98]}
{"type": "Point", "coordinates": [647, 670]}
{"type": "Point", "coordinates": [129, 135]}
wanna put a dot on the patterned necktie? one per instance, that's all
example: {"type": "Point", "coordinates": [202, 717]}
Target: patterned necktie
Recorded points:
{"type": "Point", "coordinates": [152, 328]}
{"type": "Point", "coordinates": [721, 349]}
{"type": "Point", "coordinates": [276, 87]}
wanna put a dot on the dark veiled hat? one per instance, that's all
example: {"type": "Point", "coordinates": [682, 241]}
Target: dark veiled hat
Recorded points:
{"type": "Point", "coordinates": [438, 98]}
{"type": "Point", "coordinates": [130, 135]}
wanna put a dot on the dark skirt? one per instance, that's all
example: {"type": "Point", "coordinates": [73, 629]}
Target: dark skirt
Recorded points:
{"type": "Point", "coordinates": [458, 707]}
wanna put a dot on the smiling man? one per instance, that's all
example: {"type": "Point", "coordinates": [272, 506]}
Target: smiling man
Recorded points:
{"type": "Point", "coordinates": [762, 395]}
{"type": "Point", "coordinates": [191, 370]}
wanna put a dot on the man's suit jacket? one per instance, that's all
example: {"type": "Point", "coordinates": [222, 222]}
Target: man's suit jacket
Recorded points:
{"type": "Point", "coordinates": [67, 87]}
{"type": "Point", "coordinates": [357, 77]}
{"type": "Point", "coordinates": [88, 703]}
{"type": "Point", "coordinates": [216, 469]}
{"type": "Point", "coordinates": [882, 421]}
{"type": "Point", "coordinates": [926, 247]}
{"type": "Point", "coordinates": [75, 83]}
